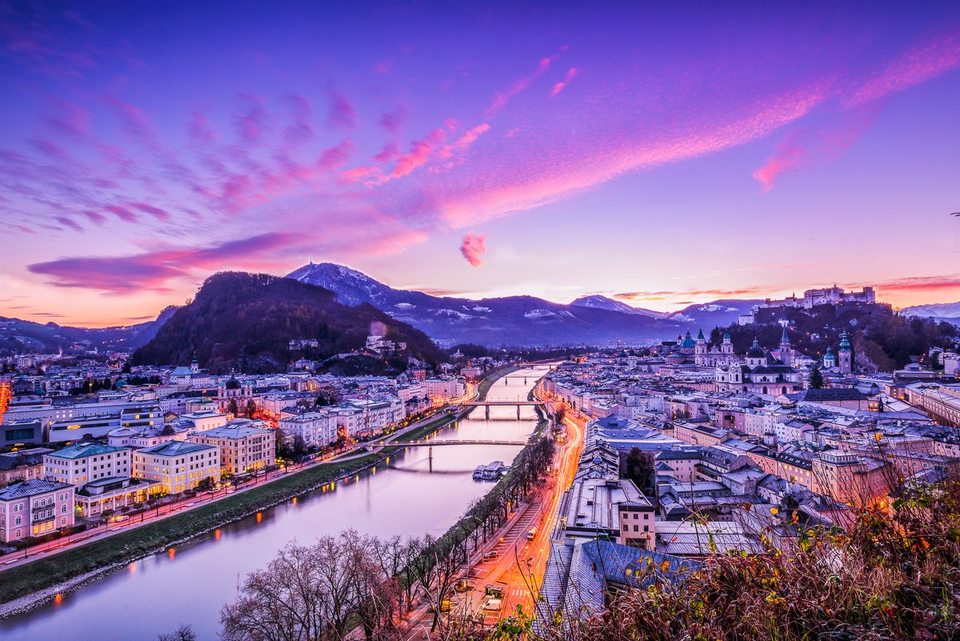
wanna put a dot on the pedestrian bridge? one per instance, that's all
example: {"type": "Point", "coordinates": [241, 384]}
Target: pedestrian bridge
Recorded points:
{"type": "Point", "coordinates": [438, 443]}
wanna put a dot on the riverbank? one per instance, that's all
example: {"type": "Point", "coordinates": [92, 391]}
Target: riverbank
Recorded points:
{"type": "Point", "coordinates": [39, 581]}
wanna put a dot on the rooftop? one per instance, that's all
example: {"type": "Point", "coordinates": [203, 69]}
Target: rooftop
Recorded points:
{"type": "Point", "coordinates": [176, 448]}
{"type": "Point", "coordinates": [33, 487]}
{"type": "Point", "coordinates": [85, 449]}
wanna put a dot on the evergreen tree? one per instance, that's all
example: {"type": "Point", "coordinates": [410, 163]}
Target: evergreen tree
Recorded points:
{"type": "Point", "coordinates": [816, 379]}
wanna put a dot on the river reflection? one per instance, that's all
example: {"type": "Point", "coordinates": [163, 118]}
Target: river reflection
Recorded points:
{"type": "Point", "coordinates": [419, 491]}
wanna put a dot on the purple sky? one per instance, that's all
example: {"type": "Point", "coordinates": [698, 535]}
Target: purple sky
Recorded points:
{"type": "Point", "coordinates": [658, 155]}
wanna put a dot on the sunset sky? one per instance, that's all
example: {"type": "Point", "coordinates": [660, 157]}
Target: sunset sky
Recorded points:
{"type": "Point", "coordinates": [654, 155]}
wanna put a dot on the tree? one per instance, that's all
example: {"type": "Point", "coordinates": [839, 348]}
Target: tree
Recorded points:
{"type": "Point", "coordinates": [317, 592]}
{"type": "Point", "coordinates": [559, 414]}
{"type": "Point", "coordinates": [816, 379]}
{"type": "Point", "coordinates": [639, 468]}
{"type": "Point", "coordinates": [433, 565]}
{"type": "Point", "coordinates": [232, 407]}
{"type": "Point", "coordinates": [936, 363]}
{"type": "Point", "coordinates": [206, 484]}
{"type": "Point", "coordinates": [183, 633]}
{"type": "Point", "coordinates": [251, 408]}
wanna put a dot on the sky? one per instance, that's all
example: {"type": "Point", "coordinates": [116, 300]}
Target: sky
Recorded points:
{"type": "Point", "coordinates": [659, 155]}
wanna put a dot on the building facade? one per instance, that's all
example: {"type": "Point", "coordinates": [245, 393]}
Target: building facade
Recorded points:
{"type": "Point", "coordinates": [177, 466]}
{"type": "Point", "coordinates": [35, 508]}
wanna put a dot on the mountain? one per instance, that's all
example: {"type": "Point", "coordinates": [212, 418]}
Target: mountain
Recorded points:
{"type": "Point", "coordinates": [246, 321]}
{"type": "Point", "coordinates": [718, 313]}
{"type": "Point", "coordinates": [949, 312]}
{"type": "Point", "coordinates": [602, 302]}
{"type": "Point", "coordinates": [18, 336]}
{"type": "Point", "coordinates": [512, 320]}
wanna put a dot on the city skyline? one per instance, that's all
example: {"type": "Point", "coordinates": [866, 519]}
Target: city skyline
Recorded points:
{"type": "Point", "coordinates": [654, 157]}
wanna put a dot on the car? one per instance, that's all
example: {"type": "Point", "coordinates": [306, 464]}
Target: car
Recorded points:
{"type": "Point", "coordinates": [492, 604]}
{"type": "Point", "coordinates": [489, 555]}
{"type": "Point", "coordinates": [444, 607]}
{"type": "Point", "coordinates": [463, 586]}
{"type": "Point", "coordinates": [493, 590]}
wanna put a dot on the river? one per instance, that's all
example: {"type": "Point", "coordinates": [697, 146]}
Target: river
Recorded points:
{"type": "Point", "coordinates": [409, 496]}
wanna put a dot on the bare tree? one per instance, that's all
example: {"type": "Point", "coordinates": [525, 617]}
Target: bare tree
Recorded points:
{"type": "Point", "coordinates": [183, 633]}
{"type": "Point", "coordinates": [373, 595]}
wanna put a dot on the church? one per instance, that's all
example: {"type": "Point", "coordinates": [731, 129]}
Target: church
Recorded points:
{"type": "Point", "coordinates": [714, 355]}
{"type": "Point", "coordinates": [759, 372]}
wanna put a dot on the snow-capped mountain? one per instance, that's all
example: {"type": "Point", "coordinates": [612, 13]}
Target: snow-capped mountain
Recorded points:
{"type": "Point", "coordinates": [602, 302]}
{"type": "Point", "coordinates": [717, 313]}
{"type": "Point", "coordinates": [936, 310]}
{"type": "Point", "coordinates": [513, 320]}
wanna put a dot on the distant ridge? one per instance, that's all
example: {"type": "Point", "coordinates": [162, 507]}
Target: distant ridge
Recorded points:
{"type": "Point", "coordinates": [510, 320]}
{"type": "Point", "coordinates": [943, 311]}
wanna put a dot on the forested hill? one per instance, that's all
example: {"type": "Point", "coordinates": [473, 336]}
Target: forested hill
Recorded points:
{"type": "Point", "coordinates": [881, 338]}
{"type": "Point", "coordinates": [245, 322]}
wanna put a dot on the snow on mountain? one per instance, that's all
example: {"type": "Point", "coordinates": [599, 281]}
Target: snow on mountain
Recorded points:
{"type": "Point", "coordinates": [511, 320]}
{"type": "Point", "coordinates": [539, 314]}
{"type": "Point", "coordinates": [936, 310]}
{"type": "Point", "coordinates": [603, 302]}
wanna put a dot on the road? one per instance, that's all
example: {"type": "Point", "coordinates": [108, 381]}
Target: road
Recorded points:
{"type": "Point", "coordinates": [519, 563]}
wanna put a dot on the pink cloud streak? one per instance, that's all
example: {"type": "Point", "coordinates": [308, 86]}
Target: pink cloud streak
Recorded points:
{"type": "Point", "coordinates": [563, 84]}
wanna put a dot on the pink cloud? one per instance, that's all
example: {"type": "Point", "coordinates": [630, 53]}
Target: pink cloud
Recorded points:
{"type": "Point", "coordinates": [70, 118]}
{"type": "Point", "coordinates": [160, 214]}
{"type": "Point", "coordinates": [393, 121]}
{"type": "Point", "coordinates": [51, 149]}
{"type": "Point", "coordinates": [487, 195]}
{"type": "Point", "coordinates": [473, 248]}
{"type": "Point", "coordinates": [153, 270]}
{"type": "Point", "coordinates": [567, 78]}
{"type": "Point", "coordinates": [471, 136]}
{"type": "Point", "coordinates": [342, 113]}
{"type": "Point", "coordinates": [134, 120]}
{"type": "Point", "coordinates": [95, 217]}
{"type": "Point", "coordinates": [201, 132]}
{"type": "Point", "coordinates": [518, 86]}
{"type": "Point", "coordinates": [920, 283]}
{"type": "Point", "coordinates": [68, 222]}
{"type": "Point", "coordinates": [787, 156]}
{"type": "Point", "coordinates": [917, 65]}
{"type": "Point", "coordinates": [370, 174]}
{"type": "Point", "coordinates": [252, 121]}
{"type": "Point", "coordinates": [336, 156]}
{"type": "Point", "coordinates": [301, 127]}
{"type": "Point", "coordinates": [388, 153]}
{"type": "Point", "coordinates": [122, 213]}
{"type": "Point", "coordinates": [421, 150]}
{"type": "Point", "coordinates": [800, 147]}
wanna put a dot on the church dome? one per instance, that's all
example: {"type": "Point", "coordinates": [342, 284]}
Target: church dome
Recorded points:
{"type": "Point", "coordinates": [755, 350]}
